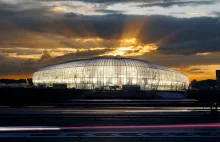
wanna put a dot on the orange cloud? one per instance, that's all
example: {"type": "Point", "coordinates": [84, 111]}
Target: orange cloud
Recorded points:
{"type": "Point", "coordinates": [130, 47]}
{"type": "Point", "coordinates": [200, 72]}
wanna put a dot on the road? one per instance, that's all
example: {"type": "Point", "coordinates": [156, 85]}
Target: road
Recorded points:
{"type": "Point", "coordinates": [172, 132]}
{"type": "Point", "coordinates": [108, 123]}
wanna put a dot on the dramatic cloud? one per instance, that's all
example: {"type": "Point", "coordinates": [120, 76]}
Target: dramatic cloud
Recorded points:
{"type": "Point", "coordinates": [46, 55]}
{"type": "Point", "coordinates": [190, 36]}
{"type": "Point", "coordinates": [46, 32]}
{"type": "Point", "coordinates": [217, 13]}
{"type": "Point", "coordinates": [170, 3]}
{"type": "Point", "coordinates": [79, 55]}
{"type": "Point", "coordinates": [192, 47]}
{"type": "Point", "coordinates": [110, 11]}
{"type": "Point", "coordinates": [144, 1]}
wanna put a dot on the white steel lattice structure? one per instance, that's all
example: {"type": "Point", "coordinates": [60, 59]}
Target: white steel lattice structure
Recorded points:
{"type": "Point", "coordinates": [103, 72]}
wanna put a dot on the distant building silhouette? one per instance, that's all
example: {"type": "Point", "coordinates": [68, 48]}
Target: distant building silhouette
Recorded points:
{"type": "Point", "coordinates": [208, 84]}
{"type": "Point", "coordinates": [218, 78]}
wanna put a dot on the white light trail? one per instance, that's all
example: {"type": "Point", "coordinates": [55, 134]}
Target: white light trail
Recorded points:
{"type": "Point", "coordinates": [29, 128]}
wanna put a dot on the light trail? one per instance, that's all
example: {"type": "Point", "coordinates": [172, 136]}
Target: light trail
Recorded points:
{"type": "Point", "coordinates": [181, 110]}
{"type": "Point", "coordinates": [4, 106]}
{"type": "Point", "coordinates": [146, 110]}
{"type": "Point", "coordinates": [41, 106]}
{"type": "Point", "coordinates": [56, 128]}
{"type": "Point", "coordinates": [115, 111]}
{"type": "Point", "coordinates": [144, 126]}
{"type": "Point", "coordinates": [29, 128]}
{"type": "Point", "coordinates": [125, 100]}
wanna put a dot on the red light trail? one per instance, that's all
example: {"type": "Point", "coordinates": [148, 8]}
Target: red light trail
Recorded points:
{"type": "Point", "coordinates": [145, 126]}
{"type": "Point", "coordinates": [56, 128]}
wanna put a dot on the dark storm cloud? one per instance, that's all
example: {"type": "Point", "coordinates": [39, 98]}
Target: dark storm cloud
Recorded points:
{"type": "Point", "coordinates": [2, 56]}
{"type": "Point", "coordinates": [5, 67]}
{"type": "Point", "coordinates": [173, 35]}
{"type": "Point", "coordinates": [195, 69]}
{"type": "Point", "coordinates": [20, 51]}
{"type": "Point", "coordinates": [13, 36]}
{"type": "Point", "coordinates": [192, 47]}
{"type": "Point", "coordinates": [23, 28]}
{"type": "Point", "coordinates": [196, 72]}
{"type": "Point", "coordinates": [144, 1]}
{"type": "Point", "coordinates": [217, 13]}
{"type": "Point", "coordinates": [183, 36]}
{"type": "Point", "coordinates": [166, 4]}
{"type": "Point", "coordinates": [31, 65]}
{"type": "Point", "coordinates": [72, 15]}
{"type": "Point", "coordinates": [178, 61]}
{"type": "Point", "coordinates": [103, 1]}
{"type": "Point", "coordinates": [46, 55]}
{"type": "Point", "coordinates": [108, 11]}
{"type": "Point", "coordinates": [46, 21]}
{"type": "Point", "coordinates": [150, 3]}
{"type": "Point", "coordinates": [78, 55]}
{"type": "Point", "coordinates": [11, 65]}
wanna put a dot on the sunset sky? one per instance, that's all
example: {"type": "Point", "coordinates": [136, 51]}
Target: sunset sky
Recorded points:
{"type": "Point", "coordinates": [179, 34]}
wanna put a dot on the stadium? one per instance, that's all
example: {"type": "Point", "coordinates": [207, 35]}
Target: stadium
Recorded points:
{"type": "Point", "coordinates": [107, 73]}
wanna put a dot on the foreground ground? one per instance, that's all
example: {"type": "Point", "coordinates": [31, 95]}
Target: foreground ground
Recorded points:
{"type": "Point", "coordinates": [57, 118]}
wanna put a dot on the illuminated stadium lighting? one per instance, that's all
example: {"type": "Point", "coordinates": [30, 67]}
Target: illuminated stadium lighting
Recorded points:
{"type": "Point", "coordinates": [105, 72]}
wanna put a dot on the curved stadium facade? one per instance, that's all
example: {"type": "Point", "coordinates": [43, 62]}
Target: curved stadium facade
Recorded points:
{"type": "Point", "coordinates": [105, 72]}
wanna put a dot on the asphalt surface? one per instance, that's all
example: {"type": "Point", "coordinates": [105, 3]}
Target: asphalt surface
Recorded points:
{"type": "Point", "coordinates": [49, 122]}
{"type": "Point", "coordinates": [180, 132]}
